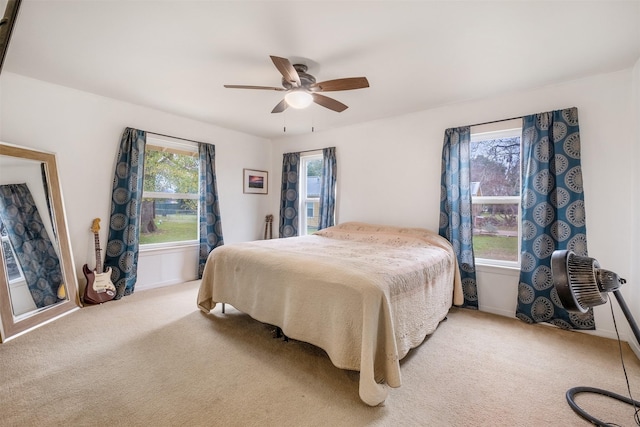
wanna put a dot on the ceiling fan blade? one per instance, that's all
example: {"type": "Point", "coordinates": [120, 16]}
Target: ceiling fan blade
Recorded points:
{"type": "Point", "coordinates": [341, 84]}
{"type": "Point", "coordinates": [286, 69]}
{"type": "Point", "coordinates": [329, 103]}
{"type": "Point", "coordinates": [254, 87]}
{"type": "Point", "coordinates": [282, 105]}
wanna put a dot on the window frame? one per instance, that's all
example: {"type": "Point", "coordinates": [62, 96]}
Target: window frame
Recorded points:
{"type": "Point", "coordinates": [9, 252]}
{"type": "Point", "coordinates": [173, 145]}
{"type": "Point", "coordinates": [303, 199]}
{"type": "Point", "coordinates": [499, 130]}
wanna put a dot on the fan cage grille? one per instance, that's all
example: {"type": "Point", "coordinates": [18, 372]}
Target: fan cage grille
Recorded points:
{"type": "Point", "coordinates": [583, 281]}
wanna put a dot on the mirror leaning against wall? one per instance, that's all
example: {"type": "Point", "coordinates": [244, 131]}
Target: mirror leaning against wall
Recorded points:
{"type": "Point", "coordinates": [37, 275]}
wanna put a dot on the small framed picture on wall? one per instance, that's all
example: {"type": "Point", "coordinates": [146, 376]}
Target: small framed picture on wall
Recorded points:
{"type": "Point", "coordinates": [255, 182]}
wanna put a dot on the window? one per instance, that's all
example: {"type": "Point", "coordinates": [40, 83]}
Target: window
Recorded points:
{"type": "Point", "coordinates": [495, 195]}
{"type": "Point", "coordinates": [13, 267]}
{"type": "Point", "coordinates": [311, 174]}
{"type": "Point", "coordinates": [170, 197]}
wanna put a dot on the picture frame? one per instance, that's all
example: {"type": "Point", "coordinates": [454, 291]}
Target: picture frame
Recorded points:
{"type": "Point", "coordinates": [255, 181]}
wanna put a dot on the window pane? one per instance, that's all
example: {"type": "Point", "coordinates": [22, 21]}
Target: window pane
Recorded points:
{"type": "Point", "coordinates": [312, 216]}
{"type": "Point", "coordinates": [174, 218]}
{"type": "Point", "coordinates": [169, 172]}
{"type": "Point", "coordinates": [311, 170]}
{"type": "Point", "coordinates": [314, 172]}
{"type": "Point", "coordinates": [495, 231]}
{"type": "Point", "coordinates": [495, 167]}
{"type": "Point", "coordinates": [168, 220]}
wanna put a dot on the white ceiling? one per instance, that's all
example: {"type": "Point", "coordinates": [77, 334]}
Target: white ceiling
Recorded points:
{"type": "Point", "coordinates": [175, 56]}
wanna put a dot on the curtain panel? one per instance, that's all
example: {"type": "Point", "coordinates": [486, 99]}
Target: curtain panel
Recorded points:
{"type": "Point", "coordinates": [289, 195]}
{"type": "Point", "coordinates": [328, 188]}
{"type": "Point", "coordinates": [456, 220]}
{"type": "Point", "coordinates": [210, 221]}
{"type": "Point", "coordinates": [553, 214]}
{"type": "Point", "coordinates": [124, 225]}
{"type": "Point", "coordinates": [32, 245]}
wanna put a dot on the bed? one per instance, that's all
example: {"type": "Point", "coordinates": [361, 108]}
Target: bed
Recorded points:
{"type": "Point", "coordinates": [366, 294]}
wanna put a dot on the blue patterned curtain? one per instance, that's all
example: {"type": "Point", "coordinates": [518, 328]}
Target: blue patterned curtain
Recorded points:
{"type": "Point", "coordinates": [210, 222]}
{"type": "Point", "coordinates": [455, 207]}
{"type": "Point", "coordinates": [31, 243]}
{"type": "Point", "coordinates": [289, 195]}
{"type": "Point", "coordinates": [553, 214]}
{"type": "Point", "coordinates": [328, 189]}
{"type": "Point", "coordinates": [124, 225]}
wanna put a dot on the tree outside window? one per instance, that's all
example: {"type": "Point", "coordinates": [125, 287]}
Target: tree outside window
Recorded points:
{"type": "Point", "coordinates": [170, 196]}
{"type": "Point", "coordinates": [495, 186]}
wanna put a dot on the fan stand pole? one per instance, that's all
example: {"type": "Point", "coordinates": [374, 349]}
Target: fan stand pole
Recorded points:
{"type": "Point", "coordinates": [627, 314]}
{"type": "Point", "coordinates": [571, 393]}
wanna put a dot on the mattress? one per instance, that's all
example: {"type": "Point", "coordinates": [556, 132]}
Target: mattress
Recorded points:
{"type": "Point", "coordinates": [364, 293]}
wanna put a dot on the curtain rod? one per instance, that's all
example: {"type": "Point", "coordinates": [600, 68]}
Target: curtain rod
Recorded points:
{"type": "Point", "coordinates": [496, 121]}
{"type": "Point", "coordinates": [175, 137]}
{"type": "Point", "coordinates": [308, 151]}
{"type": "Point", "coordinates": [512, 118]}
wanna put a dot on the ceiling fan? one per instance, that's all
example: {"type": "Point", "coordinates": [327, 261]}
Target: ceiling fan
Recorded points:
{"type": "Point", "coordinates": [302, 89]}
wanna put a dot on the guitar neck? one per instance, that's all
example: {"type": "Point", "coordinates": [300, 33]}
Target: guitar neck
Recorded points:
{"type": "Point", "coordinates": [96, 239]}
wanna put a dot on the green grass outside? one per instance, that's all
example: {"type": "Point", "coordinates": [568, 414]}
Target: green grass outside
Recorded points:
{"type": "Point", "coordinates": [496, 247]}
{"type": "Point", "coordinates": [172, 228]}
{"type": "Point", "coordinates": [177, 228]}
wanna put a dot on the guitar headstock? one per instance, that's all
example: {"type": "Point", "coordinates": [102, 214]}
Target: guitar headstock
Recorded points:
{"type": "Point", "coordinates": [95, 225]}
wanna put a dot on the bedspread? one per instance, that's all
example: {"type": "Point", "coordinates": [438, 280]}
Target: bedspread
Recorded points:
{"type": "Point", "coordinates": [365, 294]}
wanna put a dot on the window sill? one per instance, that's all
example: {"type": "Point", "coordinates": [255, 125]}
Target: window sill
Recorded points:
{"type": "Point", "coordinates": [168, 247]}
{"type": "Point", "coordinates": [509, 270]}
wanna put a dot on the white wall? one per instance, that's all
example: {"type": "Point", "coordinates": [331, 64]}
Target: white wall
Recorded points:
{"type": "Point", "coordinates": [84, 130]}
{"type": "Point", "coordinates": [389, 172]}
{"type": "Point", "coordinates": [634, 257]}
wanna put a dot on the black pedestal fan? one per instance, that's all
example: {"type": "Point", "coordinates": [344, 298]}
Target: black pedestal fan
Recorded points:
{"type": "Point", "coordinates": [581, 284]}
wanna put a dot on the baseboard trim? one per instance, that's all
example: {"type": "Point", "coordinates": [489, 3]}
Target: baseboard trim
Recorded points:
{"type": "Point", "coordinates": [634, 347]}
{"type": "Point", "coordinates": [597, 332]}
{"type": "Point", "coordinates": [148, 286]}
{"type": "Point", "coordinates": [499, 312]}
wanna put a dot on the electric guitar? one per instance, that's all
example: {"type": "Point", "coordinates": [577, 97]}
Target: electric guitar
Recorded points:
{"type": "Point", "coordinates": [268, 224]}
{"type": "Point", "coordinates": [99, 288]}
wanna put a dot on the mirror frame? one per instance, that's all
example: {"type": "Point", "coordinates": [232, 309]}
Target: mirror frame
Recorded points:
{"type": "Point", "coordinates": [10, 325]}
{"type": "Point", "coordinates": [7, 23]}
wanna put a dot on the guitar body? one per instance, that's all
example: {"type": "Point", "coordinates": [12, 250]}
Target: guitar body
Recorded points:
{"type": "Point", "coordinates": [99, 288]}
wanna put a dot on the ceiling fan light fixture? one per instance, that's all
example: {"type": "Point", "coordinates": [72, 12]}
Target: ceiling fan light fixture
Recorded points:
{"type": "Point", "coordinates": [298, 99]}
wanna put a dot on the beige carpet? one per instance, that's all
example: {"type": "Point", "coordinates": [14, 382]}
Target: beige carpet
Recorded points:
{"type": "Point", "coordinates": [153, 359]}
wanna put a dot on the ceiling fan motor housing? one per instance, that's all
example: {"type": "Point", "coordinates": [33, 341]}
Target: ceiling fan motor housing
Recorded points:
{"type": "Point", "coordinates": [306, 79]}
